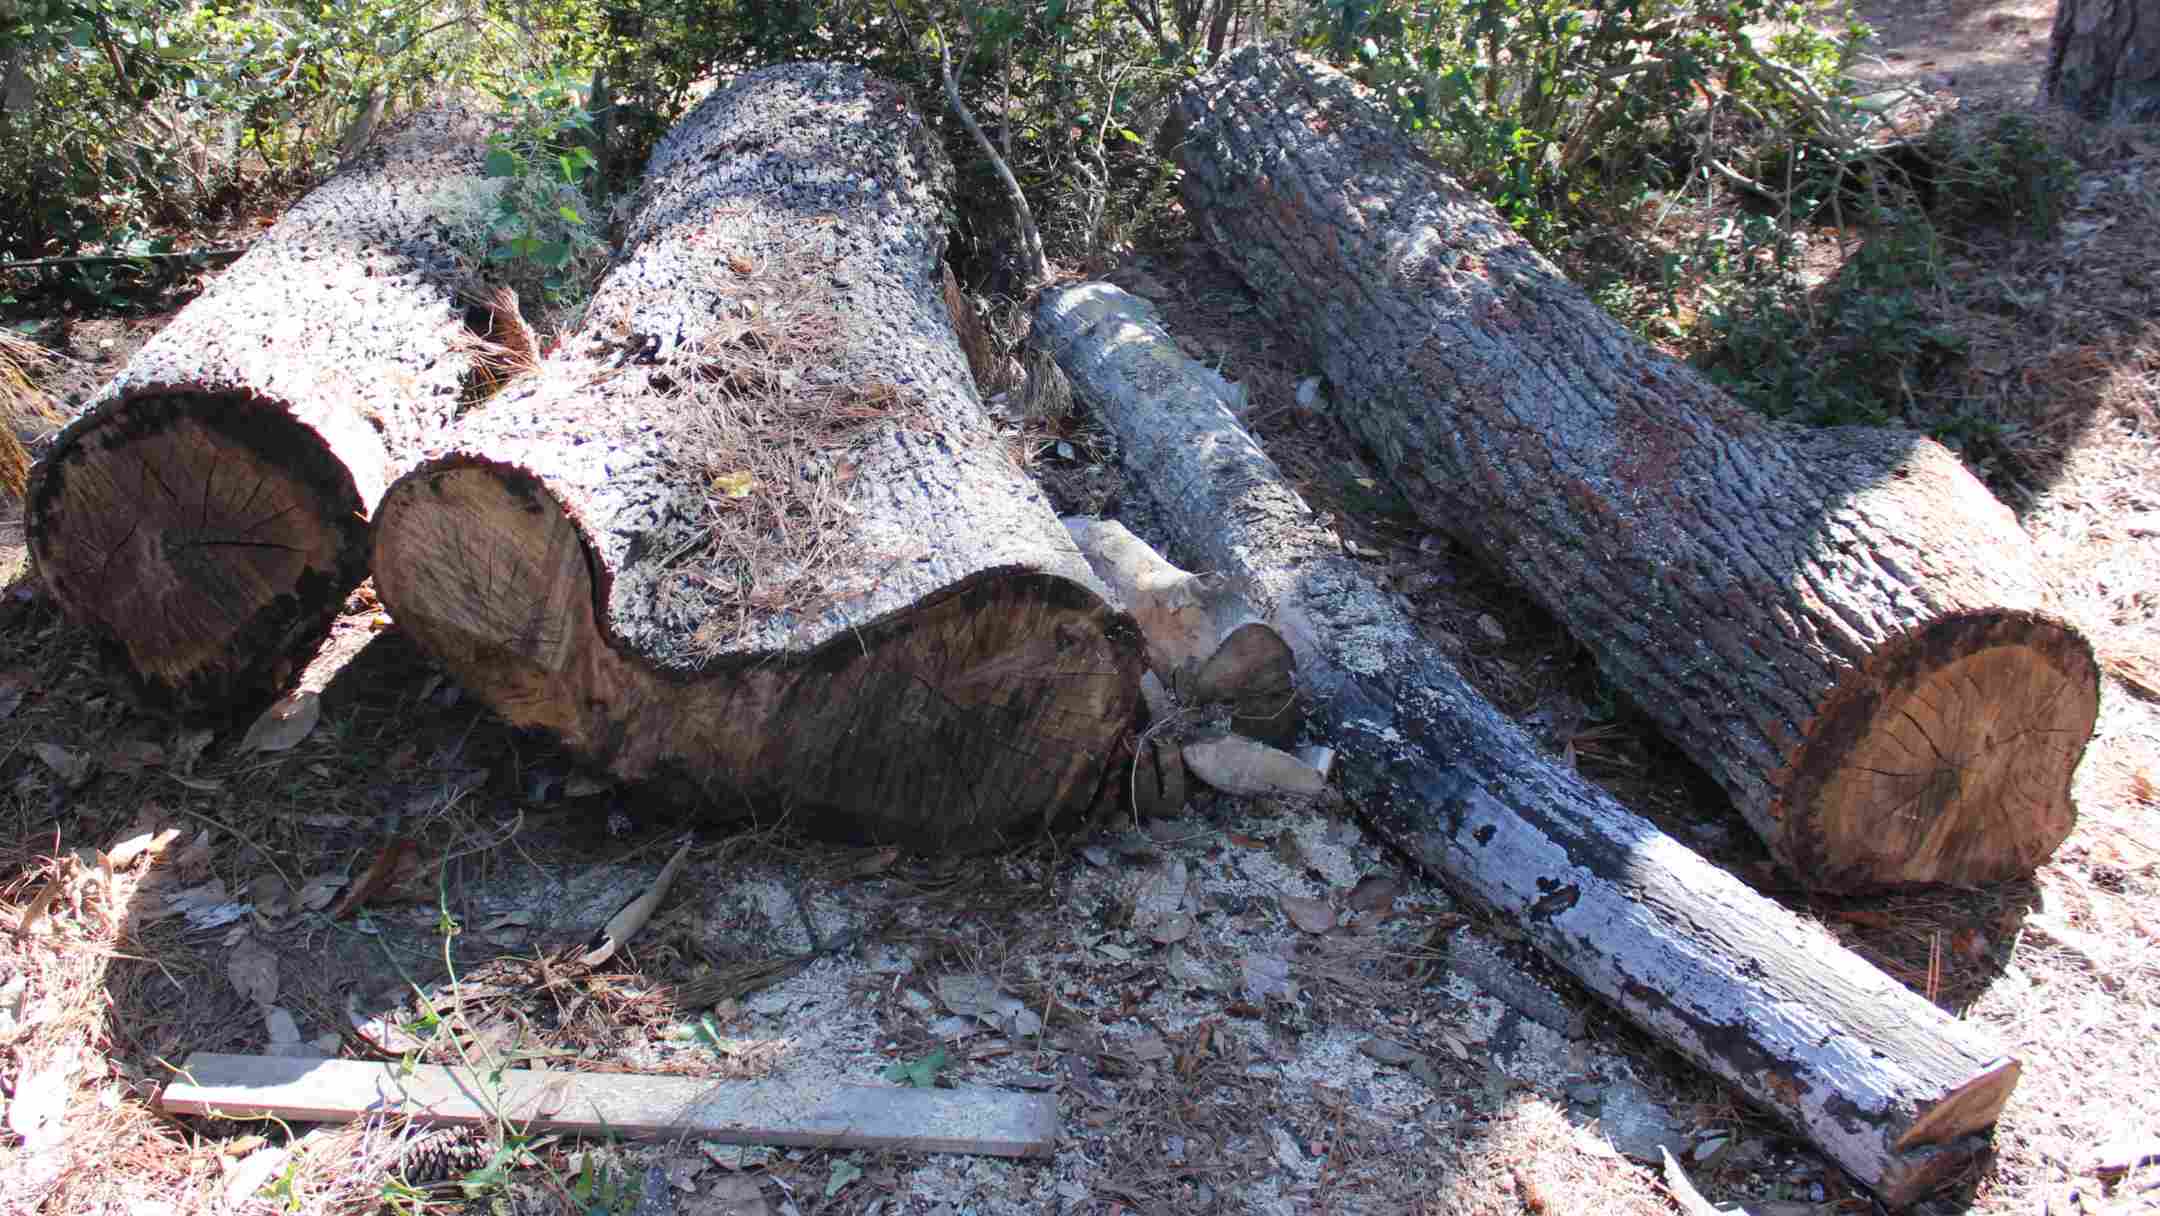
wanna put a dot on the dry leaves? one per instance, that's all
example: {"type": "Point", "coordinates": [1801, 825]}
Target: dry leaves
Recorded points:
{"type": "Point", "coordinates": [1310, 915]}
{"type": "Point", "coordinates": [285, 724]}
{"type": "Point", "coordinates": [253, 969]}
{"type": "Point", "coordinates": [1235, 764]}
{"type": "Point", "coordinates": [632, 917]}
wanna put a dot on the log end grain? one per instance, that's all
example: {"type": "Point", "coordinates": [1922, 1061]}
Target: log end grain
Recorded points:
{"type": "Point", "coordinates": [206, 537]}
{"type": "Point", "coordinates": [1946, 758]}
{"type": "Point", "coordinates": [972, 718]}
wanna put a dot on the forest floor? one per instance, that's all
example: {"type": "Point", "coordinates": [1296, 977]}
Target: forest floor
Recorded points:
{"type": "Point", "coordinates": [1232, 1068]}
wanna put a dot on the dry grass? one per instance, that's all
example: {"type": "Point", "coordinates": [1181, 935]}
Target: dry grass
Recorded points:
{"type": "Point", "coordinates": [25, 406]}
{"type": "Point", "coordinates": [771, 431]}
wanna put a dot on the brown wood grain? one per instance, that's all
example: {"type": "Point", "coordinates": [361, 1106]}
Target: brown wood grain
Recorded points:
{"type": "Point", "coordinates": [207, 514]}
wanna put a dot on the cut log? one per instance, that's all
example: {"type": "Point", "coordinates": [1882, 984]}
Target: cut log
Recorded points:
{"type": "Point", "coordinates": [207, 514]}
{"type": "Point", "coordinates": [748, 534]}
{"type": "Point", "coordinates": [1894, 1090]}
{"type": "Point", "coordinates": [1843, 627]}
{"type": "Point", "coordinates": [1203, 639]}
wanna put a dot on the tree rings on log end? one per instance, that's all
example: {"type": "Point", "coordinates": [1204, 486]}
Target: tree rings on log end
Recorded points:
{"type": "Point", "coordinates": [1946, 758]}
{"type": "Point", "coordinates": [206, 537]}
{"type": "Point", "coordinates": [974, 718]}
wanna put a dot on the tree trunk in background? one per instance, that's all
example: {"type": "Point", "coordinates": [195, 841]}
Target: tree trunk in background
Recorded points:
{"type": "Point", "coordinates": [1843, 627]}
{"type": "Point", "coordinates": [1894, 1090]}
{"type": "Point", "coordinates": [2104, 59]}
{"type": "Point", "coordinates": [930, 662]}
{"type": "Point", "coordinates": [207, 514]}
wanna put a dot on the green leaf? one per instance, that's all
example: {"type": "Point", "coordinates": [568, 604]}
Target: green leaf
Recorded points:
{"type": "Point", "coordinates": [553, 254]}
{"type": "Point", "coordinates": [922, 1074]}
{"type": "Point", "coordinates": [570, 214]}
{"type": "Point", "coordinates": [844, 1171]}
{"type": "Point", "coordinates": [1129, 135]}
{"type": "Point", "coordinates": [502, 163]}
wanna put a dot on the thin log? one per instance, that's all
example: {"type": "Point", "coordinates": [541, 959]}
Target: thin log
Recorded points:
{"type": "Point", "coordinates": [1203, 639]}
{"type": "Point", "coordinates": [207, 514]}
{"type": "Point", "coordinates": [1841, 626]}
{"type": "Point", "coordinates": [748, 535]}
{"type": "Point", "coordinates": [1893, 1089]}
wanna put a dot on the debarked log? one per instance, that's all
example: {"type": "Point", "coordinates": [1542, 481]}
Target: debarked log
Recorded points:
{"type": "Point", "coordinates": [1841, 626]}
{"type": "Point", "coordinates": [207, 514]}
{"type": "Point", "coordinates": [748, 535]}
{"type": "Point", "coordinates": [1897, 1092]}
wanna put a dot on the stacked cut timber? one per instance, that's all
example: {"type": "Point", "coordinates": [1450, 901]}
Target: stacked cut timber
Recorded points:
{"type": "Point", "coordinates": [748, 534]}
{"type": "Point", "coordinates": [1843, 627]}
{"type": "Point", "coordinates": [207, 514]}
{"type": "Point", "coordinates": [1893, 1089]}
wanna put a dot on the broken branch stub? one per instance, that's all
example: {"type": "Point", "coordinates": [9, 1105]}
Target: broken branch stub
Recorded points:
{"type": "Point", "coordinates": [1203, 639]}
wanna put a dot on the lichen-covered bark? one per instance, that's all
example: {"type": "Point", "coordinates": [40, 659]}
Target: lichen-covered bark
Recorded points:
{"type": "Point", "coordinates": [1734, 576]}
{"type": "Point", "coordinates": [947, 675]}
{"type": "Point", "coordinates": [1891, 1088]}
{"type": "Point", "coordinates": [2104, 59]}
{"type": "Point", "coordinates": [206, 515]}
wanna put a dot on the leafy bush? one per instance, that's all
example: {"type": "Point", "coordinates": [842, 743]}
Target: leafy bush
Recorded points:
{"type": "Point", "coordinates": [124, 114]}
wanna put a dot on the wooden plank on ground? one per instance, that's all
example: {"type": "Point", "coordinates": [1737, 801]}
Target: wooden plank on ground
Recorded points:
{"type": "Point", "coordinates": [635, 1106]}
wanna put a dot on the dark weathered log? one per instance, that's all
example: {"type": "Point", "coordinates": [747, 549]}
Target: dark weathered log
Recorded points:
{"type": "Point", "coordinates": [1890, 1087]}
{"type": "Point", "coordinates": [207, 514]}
{"type": "Point", "coordinates": [1843, 627]}
{"type": "Point", "coordinates": [749, 533]}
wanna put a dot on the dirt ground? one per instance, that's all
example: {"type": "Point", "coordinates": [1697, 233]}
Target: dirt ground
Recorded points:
{"type": "Point", "coordinates": [1248, 1007]}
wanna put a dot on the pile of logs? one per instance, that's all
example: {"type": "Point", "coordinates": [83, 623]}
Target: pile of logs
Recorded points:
{"type": "Point", "coordinates": [1841, 627]}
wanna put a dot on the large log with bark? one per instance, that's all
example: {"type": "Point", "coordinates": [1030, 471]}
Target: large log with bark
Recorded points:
{"type": "Point", "coordinates": [748, 535]}
{"type": "Point", "coordinates": [207, 514]}
{"type": "Point", "coordinates": [1842, 626]}
{"type": "Point", "coordinates": [1893, 1089]}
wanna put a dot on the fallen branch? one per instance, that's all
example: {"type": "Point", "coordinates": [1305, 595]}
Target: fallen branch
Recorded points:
{"type": "Point", "coordinates": [214, 256]}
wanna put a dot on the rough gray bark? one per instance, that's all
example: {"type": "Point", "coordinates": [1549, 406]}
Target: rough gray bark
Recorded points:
{"type": "Point", "coordinates": [1888, 1086]}
{"type": "Point", "coordinates": [207, 514]}
{"type": "Point", "coordinates": [1843, 627]}
{"type": "Point", "coordinates": [941, 669]}
{"type": "Point", "coordinates": [2104, 59]}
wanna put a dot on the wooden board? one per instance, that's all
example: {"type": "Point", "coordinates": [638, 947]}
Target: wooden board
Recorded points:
{"type": "Point", "coordinates": [635, 1106]}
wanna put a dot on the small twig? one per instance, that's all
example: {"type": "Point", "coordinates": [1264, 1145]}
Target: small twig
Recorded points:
{"type": "Point", "coordinates": [1031, 246]}
{"type": "Point", "coordinates": [217, 254]}
{"type": "Point", "coordinates": [245, 839]}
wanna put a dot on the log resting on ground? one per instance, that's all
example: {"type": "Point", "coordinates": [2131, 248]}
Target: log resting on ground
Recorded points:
{"type": "Point", "coordinates": [911, 649]}
{"type": "Point", "coordinates": [1893, 1089]}
{"type": "Point", "coordinates": [1203, 639]}
{"type": "Point", "coordinates": [207, 514]}
{"type": "Point", "coordinates": [1842, 626]}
